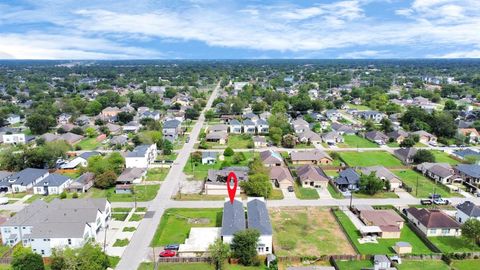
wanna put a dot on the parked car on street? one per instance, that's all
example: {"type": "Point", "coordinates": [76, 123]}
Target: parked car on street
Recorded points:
{"type": "Point", "coordinates": [441, 201]}
{"type": "Point", "coordinates": [168, 253]}
{"type": "Point", "coordinates": [426, 202]}
{"type": "Point", "coordinates": [172, 247]}
{"type": "Point", "coordinates": [290, 189]}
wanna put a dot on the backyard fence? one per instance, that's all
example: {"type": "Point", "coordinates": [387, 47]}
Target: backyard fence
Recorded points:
{"type": "Point", "coordinates": [183, 260]}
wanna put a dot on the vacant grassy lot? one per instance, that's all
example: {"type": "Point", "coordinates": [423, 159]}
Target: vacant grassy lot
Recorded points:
{"type": "Point", "coordinates": [370, 158]}
{"type": "Point", "coordinates": [354, 265]}
{"type": "Point", "coordinates": [240, 141]}
{"type": "Point", "coordinates": [466, 264]}
{"type": "Point", "coordinates": [378, 195]}
{"type": "Point", "coordinates": [425, 185]}
{"type": "Point", "coordinates": [143, 193]}
{"type": "Point", "coordinates": [89, 144]}
{"type": "Point", "coordinates": [443, 157]}
{"type": "Point", "coordinates": [422, 265]}
{"type": "Point", "coordinates": [200, 171]}
{"type": "Point", "coordinates": [453, 244]}
{"type": "Point", "coordinates": [325, 236]}
{"type": "Point", "coordinates": [354, 141]}
{"type": "Point", "coordinates": [175, 224]}
{"type": "Point", "coordinates": [384, 246]}
{"type": "Point", "coordinates": [157, 174]}
{"type": "Point", "coordinates": [306, 193]}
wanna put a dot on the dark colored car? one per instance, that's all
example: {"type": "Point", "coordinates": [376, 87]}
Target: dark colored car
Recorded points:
{"type": "Point", "coordinates": [168, 253]}
{"type": "Point", "coordinates": [435, 196]}
{"type": "Point", "coordinates": [172, 247]}
{"type": "Point", "coordinates": [426, 202]}
{"type": "Point", "coordinates": [290, 189]}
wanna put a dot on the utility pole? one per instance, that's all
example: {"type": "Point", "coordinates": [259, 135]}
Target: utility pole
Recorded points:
{"type": "Point", "coordinates": [416, 189]}
{"type": "Point", "coordinates": [351, 199]}
{"type": "Point", "coordinates": [105, 239]}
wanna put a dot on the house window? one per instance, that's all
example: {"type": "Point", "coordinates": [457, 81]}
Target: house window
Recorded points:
{"type": "Point", "coordinates": [69, 241]}
{"type": "Point", "coordinates": [445, 231]}
{"type": "Point", "coordinates": [433, 231]}
{"type": "Point", "coordinates": [266, 249]}
{"type": "Point", "coordinates": [43, 252]}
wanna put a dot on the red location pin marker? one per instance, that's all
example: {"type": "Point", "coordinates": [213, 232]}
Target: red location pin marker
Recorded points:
{"type": "Point", "coordinates": [232, 190]}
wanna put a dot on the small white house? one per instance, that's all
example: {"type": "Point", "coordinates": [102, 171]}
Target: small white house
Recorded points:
{"type": "Point", "coordinates": [18, 138]}
{"type": "Point", "coordinates": [467, 210]}
{"type": "Point", "coordinates": [209, 157]}
{"type": "Point", "coordinates": [433, 222]}
{"type": "Point", "coordinates": [13, 119]}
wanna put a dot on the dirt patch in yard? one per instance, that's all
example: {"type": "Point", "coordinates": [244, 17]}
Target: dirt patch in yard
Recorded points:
{"type": "Point", "coordinates": [312, 231]}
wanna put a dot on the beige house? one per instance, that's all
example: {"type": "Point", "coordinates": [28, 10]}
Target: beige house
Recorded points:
{"type": "Point", "coordinates": [312, 177]}
{"type": "Point", "coordinates": [220, 137]}
{"type": "Point", "coordinates": [281, 177]}
{"type": "Point", "coordinates": [389, 222]}
{"type": "Point", "coordinates": [310, 157]}
{"type": "Point", "coordinates": [425, 137]}
{"type": "Point", "coordinates": [433, 222]}
{"type": "Point", "coordinates": [110, 111]}
{"type": "Point", "coordinates": [271, 158]}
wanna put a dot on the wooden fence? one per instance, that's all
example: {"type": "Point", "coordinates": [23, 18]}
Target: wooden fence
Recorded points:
{"type": "Point", "coordinates": [183, 260]}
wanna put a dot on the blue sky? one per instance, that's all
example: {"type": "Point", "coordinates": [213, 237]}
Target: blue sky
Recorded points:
{"type": "Point", "coordinates": [214, 29]}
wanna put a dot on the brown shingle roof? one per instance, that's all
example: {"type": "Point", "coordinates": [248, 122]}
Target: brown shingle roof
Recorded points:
{"type": "Point", "coordinates": [433, 218]}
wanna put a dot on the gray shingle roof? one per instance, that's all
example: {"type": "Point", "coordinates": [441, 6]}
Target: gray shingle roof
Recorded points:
{"type": "Point", "coordinates": [53, 180]}
{"type": "Point", "coordinates": [233, 219]}
{"type": "Point", "coordinates": [347, 177]}
{"type": "Point", "coordinates": [25, 176]}
{"type": "Point", "coordinates": [469, 169]}
{"type": "Point", "coordinates": [139, 151]}
{"type": "Point", "coordinates": [470, 209]}
{"type": "Point", "coordinates": [258, 217]}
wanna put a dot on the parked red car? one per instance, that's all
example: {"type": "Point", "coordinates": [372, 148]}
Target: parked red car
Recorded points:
{"type": "Point", "coordinates": [168, 253]}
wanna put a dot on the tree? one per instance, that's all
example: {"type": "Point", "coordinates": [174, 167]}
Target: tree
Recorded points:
{"type": "Point", "coordinates": [93, 108]}
{"type": "Point", "coordinates": [228, 152]}
{"type": "Point", "coordinates": [450, 105]}
{"type": "Point", "coordinates": [423, 155]}
{"type": "Point", "coordinates": [219, 252]}
{"type": "Point", "coordinates": [209, 115]}
{"type": "Point", "coordinates": [90, 256]}
{"type": "Point", "coordinates": [90, 132]}
{"type": "Point", "coordinates": [105, 180]}
{"type": "Point", "coordinates": [275, 134]}
{"type": "Point", "coordinates": [124, 117]}
{"type": "Point", "coordinates": [257, 185]}
{"type": "Point", "coordinates": [191, 113]}
{"type": "Point", "coordinates": [369, 125]}
{"type": "Point", "coordinates": [238, 157]}
{"type": "Point", "coordinates": [387, 125]}
{"type": "Point", "coordinates": [370, 184]}
{"type": "Point", "coordinates": [289, 141]}
{"type": "Point", "coordinates": [25, 259]}
{"type": "Point", "coordinates": [244, 246]}
{"type": "Point", "coordinates": [471, 230]}
{"type": "Point", "coordinates": [39, 123]}
{"type": "Point", "coordinates": [407, 142]}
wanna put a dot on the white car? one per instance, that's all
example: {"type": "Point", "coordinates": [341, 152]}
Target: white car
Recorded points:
{"type": "Point", "coordinates": [3, 200]}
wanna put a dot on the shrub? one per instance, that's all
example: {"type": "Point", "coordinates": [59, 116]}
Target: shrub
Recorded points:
{"type": "Point", "coordinates": [228, 152]}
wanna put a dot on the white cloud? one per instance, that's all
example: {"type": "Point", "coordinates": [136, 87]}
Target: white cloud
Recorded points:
{"type": "Point", "coordinates": [46, 46]}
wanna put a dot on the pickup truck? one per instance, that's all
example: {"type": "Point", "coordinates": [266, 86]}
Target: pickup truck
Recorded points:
{"type": "Point", "coordinates": [441, 201]}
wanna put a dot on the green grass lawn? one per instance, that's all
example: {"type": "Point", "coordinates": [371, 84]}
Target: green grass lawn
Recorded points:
{"type": "Point", "coordinates": [425, 185]}
{"type": "Point", "coordinates": [129, 229]}
{"type": "Point", "coordinates": [466, 264]}
{"type": "Point", "coordinates": [370, 158]}
{"type": "Point", "coordinates": [200, 171]}
{"type": "Point", "coordinates": [277, 194]}
{"type": "Point", "coordinates": [113, 261]}
{"type": "Point", "coordinates": [17, 195]}
{"type": "Point", "coordinates": [307, 231]}
{"type": "Point", "coordinates": [89, 144]}
{"type": "Point", "coordinates": [143, 193]}
{"type": "Point", "coordinates": [47, 198]}
{"type": "Point", "coordinates": [453, 244]}
{"type": "Point", "coordinates": [119, 216]}
{"type": "Point", "coordinates": [384, 246]}
{"type": "Point", "coordinates": [174, 226]}
{"type": "Point", "coordinates": [171, 157]}
{"type": "Point", "coordinates": [443, 157]}
{"type": "Point", "coordinates": [3, 250]}
{"type": "Point", "coordinates": [141, 209]}
{"type": "Point", "coordinates": [354, 265]}
{"type": "Point", "coordinates": [240, 141]}
{"type": "Point", "coordinates": [198, 197]}
{"type": "Point", "coordinates": [423, 265]}
{"type": "Point", "coordinates": [378, 195]}
{"type": "Point", "coordinates": [136, 217]}
{"type": "Point", "coordinates": [303, 146]}
{"type": "Point", "coordinates": [354, 141]}
{"type": "Point", "coordinates": [72, 175]}
{"type": "Point", "coordinates": [196, 266]}
{"type": "Point", "coordinates": [306, 193]}
{"type": "Point", "coordinates": [335, 194]}
{"type": "Point", "coordinates": [122, 209]}
{"type": "Point", "coordinates": [157, 174]}
{"type": "Point", "coordinates": [121, 243]}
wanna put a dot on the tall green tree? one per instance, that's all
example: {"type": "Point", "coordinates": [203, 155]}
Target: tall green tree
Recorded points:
{"type": "Point", "coordinates": [25, 259]}
{"type": "Point", "coordinates": [370, 184]}
{"type": "Point", "coordinates": [471, 230]}
{"type": "Point", "coordinates": [244, 246]}
{"type": "Point", "coordinates": [219, 252]}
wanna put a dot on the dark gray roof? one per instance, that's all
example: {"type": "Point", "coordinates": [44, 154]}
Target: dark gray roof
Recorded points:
{"type": "Point", "coordinates": [469, 169]}
{"type": "Point", "coordinates": [466, 152]}
{"type": "Point", "coordinates": [171, 124]}
{"type": "Point", "coordinates": [25, 176]}
{"type": "Point", "coordinates": [233, 219]}
{"type": "Point", "coordinates": [347, 177]}
{"type": "Point", "coordinates": [139, 151]}
{"type": "Point", "coordinates": [470, 209]}
{"type": "Point", "coordinates": [53, 180]}
{"type": "Point", "coordinates": [258, 217]}
{"type": "Point", "coordinates": [86, 155]}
